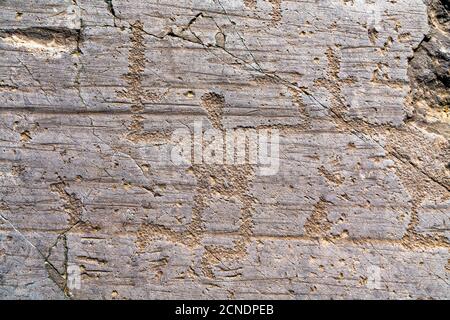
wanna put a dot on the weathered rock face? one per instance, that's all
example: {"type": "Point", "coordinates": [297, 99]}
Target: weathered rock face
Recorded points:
{"type": "Point", "coordinates": [353, 94]}
{"type": "Point", "coordinates": [429, 73]}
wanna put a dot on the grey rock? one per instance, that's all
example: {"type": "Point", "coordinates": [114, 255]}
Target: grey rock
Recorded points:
{"type": "Point", "coordinates": [92, 206]}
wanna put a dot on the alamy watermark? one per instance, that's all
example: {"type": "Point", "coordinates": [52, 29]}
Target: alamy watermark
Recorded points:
{"type": "Point", "coordinates": [73, 277]}
{"type": "Point", "coordinates": [374, 277]}
{"type": "Point", "coordinates": [257, 147]}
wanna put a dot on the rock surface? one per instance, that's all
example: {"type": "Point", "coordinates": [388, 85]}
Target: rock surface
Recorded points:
{"type": "Point", "coordinates": [93, 207]}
